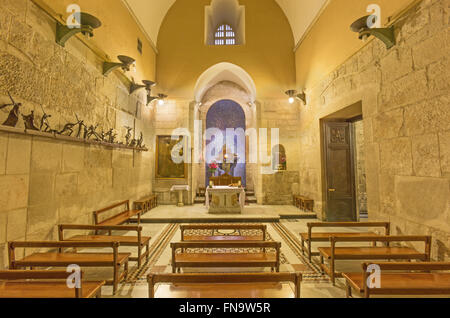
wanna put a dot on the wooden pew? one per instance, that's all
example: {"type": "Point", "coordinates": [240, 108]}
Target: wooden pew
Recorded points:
{"type": "Point", "coordinates": [303, 203]}
{"type": "Point", "coordinates": [405, 282]}
{"type": "Point", "coordinates": [63, 259]}
{"type": "Point", "coordinates": [138, 241]}
{"type": "Point", "coordinates": [211, 227]}
{"type": "Point", "coordinates": [251, 285]}
{"type": "Point", "coordinates": [333, 253]}
{"type": "Point", "coordinates": [261, 259]}
{"type": "Point", "coordinates": [310, 237]}
{"type": "Point", "coordinates": [45, 284]}
{"type": "Point", "coordinates": [146, 204]}
{"type": "Point", "coordinates": [117, 219]}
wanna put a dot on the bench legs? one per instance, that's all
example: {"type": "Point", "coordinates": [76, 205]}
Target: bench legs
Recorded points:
{"type": "Point", "coordinates": [348, 291]}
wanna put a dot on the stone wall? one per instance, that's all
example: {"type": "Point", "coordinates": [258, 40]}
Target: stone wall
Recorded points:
{"type": "Point", "coordinates": [44, 182]}
{"type": "Point", "coordinates": [405, 97]}
{"type": "Point", "coordinates": [360, 168]}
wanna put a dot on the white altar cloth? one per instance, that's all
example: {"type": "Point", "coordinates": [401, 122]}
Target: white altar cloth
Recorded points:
{"type": "Point", "coordinates": [180, 189]}
{"type": "Point", "coordinates": [224, 191]}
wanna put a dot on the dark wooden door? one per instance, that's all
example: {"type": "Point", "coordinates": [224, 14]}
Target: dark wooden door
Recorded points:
{"type": "Point", "coordinates": [339, 188]}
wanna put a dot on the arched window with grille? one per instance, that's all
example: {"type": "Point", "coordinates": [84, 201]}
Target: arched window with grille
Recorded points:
{"type": "Point", "coordinates": [225, 35]}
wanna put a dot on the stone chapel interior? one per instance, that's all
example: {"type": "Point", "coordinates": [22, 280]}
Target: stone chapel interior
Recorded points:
{"type": "Point", "coordinates": [224, 148]}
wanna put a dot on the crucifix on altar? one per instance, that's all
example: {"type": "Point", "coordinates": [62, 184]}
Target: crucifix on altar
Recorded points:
{"type": "Point", "coordinates": [228, 161]}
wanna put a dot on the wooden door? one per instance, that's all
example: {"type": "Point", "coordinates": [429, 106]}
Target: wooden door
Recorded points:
{"type": "Point", "coordinates": [339, 185]}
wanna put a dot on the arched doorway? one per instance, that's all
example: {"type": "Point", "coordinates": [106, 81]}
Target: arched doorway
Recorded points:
{"type": "Point", "coordinates": [225, 115]}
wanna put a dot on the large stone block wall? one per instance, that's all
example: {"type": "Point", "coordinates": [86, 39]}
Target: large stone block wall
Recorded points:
{"type": "Point", "coordinates": [405, 96]}
{"type": "Point", "coordinates": [44, 182]}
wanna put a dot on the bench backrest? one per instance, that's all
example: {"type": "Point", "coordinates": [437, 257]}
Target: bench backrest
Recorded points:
{"type": "Point", "coordinates": [386, 239]}
{"type": "Point", "coordinates": [60, 246]}
{"type": "Point", "coordinates": [228, 278]}
{"type": "Point", "coordinates": [64, 227]}
{"type": "Point", "coordinates": [401, 266]}
{"type": "Point", "coordinates": [226, 244]}
{"type": "Point", "coordinates": [126, 204]}
{"type": "Point", "coordinates": [260, 227]}
{"type": "Point", "coordinates": [16, 275]}
{"type": "Point", "coordinates": [385, 225]}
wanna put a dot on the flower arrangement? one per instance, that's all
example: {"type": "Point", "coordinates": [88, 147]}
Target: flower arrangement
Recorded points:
{"type": "Point", "coordinates": [213, 167]}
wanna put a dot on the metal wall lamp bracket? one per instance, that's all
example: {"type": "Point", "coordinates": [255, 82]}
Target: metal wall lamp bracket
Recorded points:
{"type": "Point", "coordinates": [125, 64]}
{"type": "Point", "coordinates": [147, 85]}
{"type": "Point", "coordinates": [386, 35]}
{"type": "Point", "coordinates": [87, 24]}
{"type": "Point", "coordinates": [293, 95]}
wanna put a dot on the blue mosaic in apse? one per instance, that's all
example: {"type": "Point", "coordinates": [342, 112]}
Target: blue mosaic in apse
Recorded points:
{"type": "Point", "coordinates": [222, 115]}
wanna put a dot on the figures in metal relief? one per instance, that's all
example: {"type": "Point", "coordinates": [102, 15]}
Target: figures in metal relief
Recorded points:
{"type": "Point", "coordinates": [140, 141]}
{"type": "Point", "coordinates": [111, 135]}
{"type": "Point", "coordinates": [128, 135]}
{"type": "Point", "coordinates": [29, 121]}
{"type": "Point", "coordinates": [80, 128]}
{"type": "Point", "coordinates": [14, 113]}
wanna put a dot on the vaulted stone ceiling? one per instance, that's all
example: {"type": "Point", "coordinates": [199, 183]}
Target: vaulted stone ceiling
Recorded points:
{"type": "Point", "coordinates": [150, 14]}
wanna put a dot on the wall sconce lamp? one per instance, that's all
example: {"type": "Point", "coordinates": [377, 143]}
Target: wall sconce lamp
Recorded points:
{"type": "Point", "coordinates": [126, 63]}
{"type": "Point", "coordinates": [147, 85]}
{"type": "Point", "coordinates": [362, 27]}
{"type": "Point", "coordinates": [293, 95]}
{"type": "Point", "coordinates": [86, 24]}
{"type": "Point", "coordinates": [161, 99]}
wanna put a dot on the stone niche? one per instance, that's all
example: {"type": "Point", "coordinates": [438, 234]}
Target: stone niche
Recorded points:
{"type": "Point", "coordinates": [279, 187]}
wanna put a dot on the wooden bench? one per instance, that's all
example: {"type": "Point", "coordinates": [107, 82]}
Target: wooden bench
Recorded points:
{"type": "Point", "coordinates": [146, 204]}
{"type": "Point", "coordinates": [45, 284]}
{"type": "Point", "coordinates": [303, 203]}
{"type": "Point", "coordinates": [231, 259]}
{"type": "Point", "coordinates": [374, 252]}
{"type": "Point", "coordinates": [252, 285]}
{"type": "Point", "coordinates": [120, 218]}
{"type": "Point", "coordinates": [405, 282]}
{"type": "Point", "coordinates": [138, 241]}
{"type": "Point", "coordinates": [310, 237]}
{"type": "Point", "coordinates": [201, 191]}
{"type": "Point", "coordinates": [64, 259]}
{"type": "Point", "coordinates": [213, 227]}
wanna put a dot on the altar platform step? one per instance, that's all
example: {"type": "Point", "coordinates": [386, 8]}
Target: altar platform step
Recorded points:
{"type": "Point", "coordinates": [215, 219]}
{"type": "Point", "coordinates": [198, 213]}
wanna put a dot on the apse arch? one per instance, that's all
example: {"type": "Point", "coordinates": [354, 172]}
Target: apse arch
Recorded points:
{"type": "Point", "coordinates": [224, 72]}
{"type": "Point", "coordinates": [227, 117]}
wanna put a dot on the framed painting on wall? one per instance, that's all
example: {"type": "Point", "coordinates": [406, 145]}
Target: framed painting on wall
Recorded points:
{"type": "Point", "coordinates": [166, 168]}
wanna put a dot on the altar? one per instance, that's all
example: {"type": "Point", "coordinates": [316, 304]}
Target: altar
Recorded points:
{"type": "Point", "coordinates": [225, 200]}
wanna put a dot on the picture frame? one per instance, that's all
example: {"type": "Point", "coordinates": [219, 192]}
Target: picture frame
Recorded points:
{"type": "Point", "coordinates": [165, 167]}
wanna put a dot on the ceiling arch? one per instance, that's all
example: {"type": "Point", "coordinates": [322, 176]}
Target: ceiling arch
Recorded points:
{"type": "Point", "coordinates": [150, 14]}
{"type": "Point", "coordinates": [224, 72]}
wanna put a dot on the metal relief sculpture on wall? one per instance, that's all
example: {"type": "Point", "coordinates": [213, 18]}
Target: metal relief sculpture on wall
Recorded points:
{"type": "Point", "coordinates": [83, 131]}
{"type": "Point", "coordinates": [29, 121]}
{"type": "Point", "coordinates": [14, 113]}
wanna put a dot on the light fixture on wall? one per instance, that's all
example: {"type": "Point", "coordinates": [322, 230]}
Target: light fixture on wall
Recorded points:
{"type": "Point", "coordinates": [85, 23]}
{"type": "Point", "coordinates": [362, 26]}
{"type": "Point", "coordinates": [161, 99]}
{"type": "Point", "coordinates": [147, 85]}
{"type": "Point", "coordinates": [293, 95]}
{"type": "Point", "coordinates": [126, 63]}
